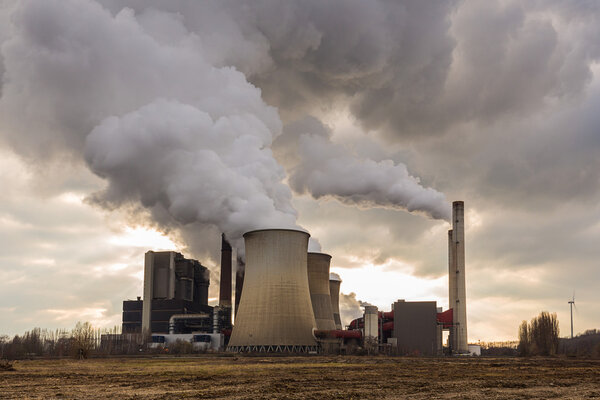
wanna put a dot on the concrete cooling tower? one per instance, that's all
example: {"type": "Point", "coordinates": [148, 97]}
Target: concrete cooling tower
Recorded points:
{"type": "Point", "coordinates": [318, 284]}
{"type": "Point", "coordinates": [275, 312]}
{"type": "Point", "coordinates": [334, 293]}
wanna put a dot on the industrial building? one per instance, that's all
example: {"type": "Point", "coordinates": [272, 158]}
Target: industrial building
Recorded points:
{"type": "Point", "coordinates": [175, 296]}
{"type": "Point", "coordinates": [286, 300]}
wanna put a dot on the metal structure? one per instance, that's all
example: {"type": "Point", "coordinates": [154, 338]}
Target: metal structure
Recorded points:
{"type": "Point", "coordinates": [456, 279]}
{"type": "Point", "coordinates": [173, 284]}
{"type": "Point", "coordinates": [318, 284]}
{"type": "Point", "coordinates": [334, 294]}
{"type": "Point", "coordinates": [571, 304]}
{"type": "Point", "coordinates": [275, 311]}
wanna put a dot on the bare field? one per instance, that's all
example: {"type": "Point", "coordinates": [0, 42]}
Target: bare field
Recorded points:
{"type": "Point", "coordinates": [303, 378]}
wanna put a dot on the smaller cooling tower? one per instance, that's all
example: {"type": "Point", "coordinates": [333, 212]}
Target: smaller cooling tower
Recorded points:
{"type": "Point", "coordinates": [275, 312]}
{"type": "Point", "coordinates": [318, 283]}
{"type": "Point", "coordinates": [334, 293]}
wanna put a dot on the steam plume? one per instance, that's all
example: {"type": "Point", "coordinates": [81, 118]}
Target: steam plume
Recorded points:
{"type": "Point", "coordinates": [155, 109]}
{"type": "Point", "coordinates": [328, 169]}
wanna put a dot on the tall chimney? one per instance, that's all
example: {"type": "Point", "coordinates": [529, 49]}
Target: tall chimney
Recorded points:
{"type": "Point", "coordinates": [457, 287]}
{"type": "Point", "coordinates": [225, 289]}
{"type": "Point", "coordinates": [451, 286]}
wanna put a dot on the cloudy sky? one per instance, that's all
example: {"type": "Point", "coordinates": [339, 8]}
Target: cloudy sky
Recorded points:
{"type": "Point", "coordinates": [129, 125]}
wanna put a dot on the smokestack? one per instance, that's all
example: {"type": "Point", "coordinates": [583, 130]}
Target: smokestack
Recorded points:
{"type": "Point", "coordinates": [457, 287]}
{"type": "Point", "coordinates": [451, 286]}
{"type": "Point", "coordinates": [275, 312]}
{"type": "Point", "coordinates": [239, 282]}
{"type": "Point", "coordinates": [225, 289]}
{"type": "Point", "coordinates": [318, 284]}
{"type": "Point", "coordinates": [334, 293]}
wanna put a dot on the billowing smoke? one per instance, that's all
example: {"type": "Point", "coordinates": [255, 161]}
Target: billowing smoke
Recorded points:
{"type": "Point", "coordinates": [349, 308]}
{"type": "Point", "coordinates": [153, 106]}
{"type": "Point", "coordinates": [198, 169]}
{"type": "Point", "coordinates": [323, 168]}
{"type": "Point", "coordinates": [136, 95]}
{"type": "Point", "coordinates": [328, 169]}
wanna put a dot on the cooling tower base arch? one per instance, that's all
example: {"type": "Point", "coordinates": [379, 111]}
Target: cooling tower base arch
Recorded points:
{"type": "Point", "coordinates": [273, 349]}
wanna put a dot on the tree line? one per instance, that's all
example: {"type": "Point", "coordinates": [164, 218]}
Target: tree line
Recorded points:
{"type": "Point", "coordinates": [541, 337]}
{"type": "Point", "coordinates": [80, 342]}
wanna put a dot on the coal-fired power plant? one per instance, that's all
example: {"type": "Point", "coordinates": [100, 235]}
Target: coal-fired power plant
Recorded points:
{"type": "Point", "coordinates": [287, 300]}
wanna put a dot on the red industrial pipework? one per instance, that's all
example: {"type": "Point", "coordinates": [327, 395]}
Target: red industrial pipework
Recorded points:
{"type": "Point", "coordinates": [339, 334]}
{"type": "Point", "coordinates": [386, 315]}
{"type": "Point", "coordinates": [446, 318]}
{"type": "Point", "coordinates": [357, 323]}
{"type": "Point", "coordinates": [388, 326]}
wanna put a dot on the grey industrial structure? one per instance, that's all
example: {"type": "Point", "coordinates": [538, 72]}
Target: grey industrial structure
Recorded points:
{"type": "Point", "coordinates": [456, 277]}
{"type": "Point", "coordinates": [286, 300]}
{"type": "Point", "coordinates": [318, 284]}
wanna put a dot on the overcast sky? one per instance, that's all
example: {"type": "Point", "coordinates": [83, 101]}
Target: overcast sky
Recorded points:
{"type": "Point", "coordinates": [129, 125]}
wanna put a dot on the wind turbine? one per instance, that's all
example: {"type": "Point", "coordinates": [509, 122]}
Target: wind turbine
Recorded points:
{"type": "Point", "coordinates": [571, 304]}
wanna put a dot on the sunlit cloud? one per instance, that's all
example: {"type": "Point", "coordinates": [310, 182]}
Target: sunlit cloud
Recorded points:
{"type": "Point", "coordinates": [142, 237]}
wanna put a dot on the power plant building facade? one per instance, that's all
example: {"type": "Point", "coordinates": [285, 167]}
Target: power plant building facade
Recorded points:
{"type": "Point", "coordinates": [173, 285]}
{"type": "Point", "coordinates": [416, 329]}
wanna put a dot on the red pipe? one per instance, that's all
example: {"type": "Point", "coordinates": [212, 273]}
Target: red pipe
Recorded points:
{"type": "Point", "coordinates": [339, 334]}
{"type": "Point", "coordinates": [446, 318]}
{"type": "Point", "coordinates": [357, 323]}
{"type": "Point", "coordinates": [386, 315]}
{"type": "Point", "coordinates": [388, 326]}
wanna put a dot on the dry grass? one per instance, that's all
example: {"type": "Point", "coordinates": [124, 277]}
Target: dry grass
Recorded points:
{"type": "Point", "coordinates": [303, 378]}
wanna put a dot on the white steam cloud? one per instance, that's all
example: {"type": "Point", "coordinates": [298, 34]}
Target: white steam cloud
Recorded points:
{"type": "Point", "coordinates": [153, 107]}
{"type": "Point", "coordinates": [327, 169]}
{"type": "Point", "coordinates": [174, 155]}
{"type": "Point", "coordinates": [136, 95]}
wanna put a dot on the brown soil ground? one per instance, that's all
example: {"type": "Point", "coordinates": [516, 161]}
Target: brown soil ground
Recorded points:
{"type": "Point", "coordinates": [303, 378]}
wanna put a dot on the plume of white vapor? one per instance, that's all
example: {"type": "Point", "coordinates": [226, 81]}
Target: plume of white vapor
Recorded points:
{"type": "Point", "coordinates": [137, 97]}
{"type": "Point", "coordinates": [328, 169]}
